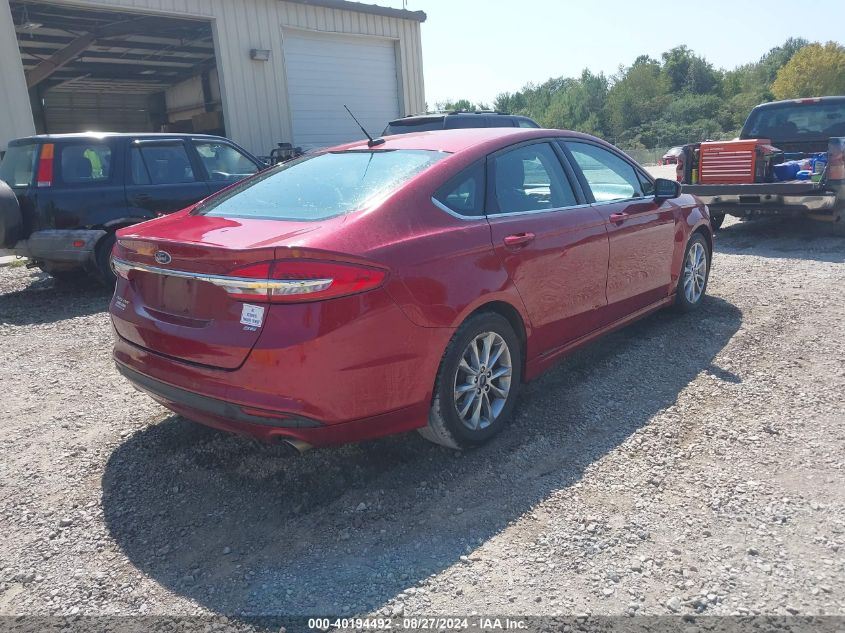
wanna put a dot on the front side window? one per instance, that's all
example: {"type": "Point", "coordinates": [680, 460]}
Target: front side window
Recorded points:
{"type": "Point", "coordinates": [224, 162]}
{"type": "Point", "coordinates": [160, 164]}
{"type": "Point", "coordinates": [609, 176]}
{"type": "Point", "coordinates": [530, 178]}
{"type": "Point", "coordinates": [18, 166]}
{"type": "Point", "coordinates": [83, 163]}
{"type": "Point", "coordinates": [464, 194]}
{"type": "Point", "coordinates": [646, 185]}
{"type": "Point", "coordinates": [526, 123]}
{"type": "Point", "coordinates": [322, 186]}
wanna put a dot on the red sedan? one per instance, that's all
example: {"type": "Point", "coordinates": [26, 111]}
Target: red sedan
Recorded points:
{"type": "Point", "coordinates": [414, 284]}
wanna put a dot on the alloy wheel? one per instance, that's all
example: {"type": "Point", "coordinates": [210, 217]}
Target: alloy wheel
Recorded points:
{"type": "Point", "coordinates": [695, 272]}
{"type": "Point", "coordinates": [483, 380]}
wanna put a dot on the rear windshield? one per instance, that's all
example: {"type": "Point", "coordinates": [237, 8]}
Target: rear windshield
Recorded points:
{"type": "Point", "coordinates": [406, 127]}
{"type": "Point", "coordinates": [18, 166]}
{"type": "Point", "coordinates": [321, 186]}
{"type": "Point", "coordinates": [796, 121]}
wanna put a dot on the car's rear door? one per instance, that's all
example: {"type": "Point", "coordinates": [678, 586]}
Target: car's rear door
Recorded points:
{"type": "Point", "coordinates": [87, 185]}
{"type": "Point", "coordinates": [163, 176]}
{"type": "Point", "coordinates": [553, 245]}
{"type": "Point", "coordinates": [640, 230]}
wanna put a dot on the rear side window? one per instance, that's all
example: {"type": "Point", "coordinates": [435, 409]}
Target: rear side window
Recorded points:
{"type": "Point", "coordinates": [406, 127]}
{"type": "Point", "coordinates": [465, 121]}
{"type": "Point", "coordinates": [18, 166]}
{"type": "Point", "coordinates": [85, 163]}
{"type": "Point", "coordinates": [322, 186]}
{"type": "Point", "coordinates": [609, 176]}
{"type": "Point", "coordinates": [464, 194]}
{"type": "Point", "coordinates": [160, 164]}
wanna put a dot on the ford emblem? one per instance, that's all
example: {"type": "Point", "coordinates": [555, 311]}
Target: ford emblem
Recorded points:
{"type": "Point", "coordinates": [163, 257]}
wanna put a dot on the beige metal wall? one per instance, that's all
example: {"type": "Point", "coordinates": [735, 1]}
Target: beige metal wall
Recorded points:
{"type": "Point", "coordinates": [15, 111]}
{"type": "Point", "coordinates": [254, 94]}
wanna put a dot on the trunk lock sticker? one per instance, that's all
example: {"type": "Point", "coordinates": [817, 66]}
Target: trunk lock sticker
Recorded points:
{"type": "Point", "coordinates": [252, 316]}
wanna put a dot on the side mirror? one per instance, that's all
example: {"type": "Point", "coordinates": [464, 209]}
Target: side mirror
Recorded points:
{"type": "Point", "coordinates": [666, 189]}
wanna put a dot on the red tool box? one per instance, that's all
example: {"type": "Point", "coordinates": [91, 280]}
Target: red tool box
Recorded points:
{"type": "Point", "coordinates": [732, 162]}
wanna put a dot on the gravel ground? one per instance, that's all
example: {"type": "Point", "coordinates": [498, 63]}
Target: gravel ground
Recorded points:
{"type": "Point", "coordinates": [688, 464]}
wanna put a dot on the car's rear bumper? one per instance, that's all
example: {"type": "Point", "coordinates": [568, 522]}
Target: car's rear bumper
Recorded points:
{"type": "Point", "coordinates": [315, 374]}
{"type": "Point", "coordinates": [271, 426]}
{"type": "Point", "coordinates": [65, 246]}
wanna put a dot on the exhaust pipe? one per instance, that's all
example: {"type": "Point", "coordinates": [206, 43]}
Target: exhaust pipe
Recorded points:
{"type": "Point", "coordinates": [299, 445]}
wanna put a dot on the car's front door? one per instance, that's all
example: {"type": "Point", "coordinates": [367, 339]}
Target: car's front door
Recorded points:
{"type": "Point", "coordinates": [161, 176]}
{"type": "Point", "coordinates": [641, 231]}
{"type": "Point", "coordinates": [553, 245]}
{"type": "Point", "coordinates": [224, 164]}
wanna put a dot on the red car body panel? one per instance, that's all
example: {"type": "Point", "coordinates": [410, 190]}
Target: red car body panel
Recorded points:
{"type": "Point", "coordinates": [364, 365]}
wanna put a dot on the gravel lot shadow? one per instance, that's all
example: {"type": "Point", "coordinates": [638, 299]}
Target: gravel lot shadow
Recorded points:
{"type": "Point", "coordinates": [46, 300]}
{"type": "Point", "coordinates": [246, 530]}
{"type": "Point", "coordinates": [782, 238]}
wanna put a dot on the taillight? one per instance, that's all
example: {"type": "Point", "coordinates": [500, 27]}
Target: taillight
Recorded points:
{"type": "Point", "coordinates": [293, 281]}
{"type": "Point", "coordinates": [836, 159]}
{"type": "Point", "coordinates": [45, 166]}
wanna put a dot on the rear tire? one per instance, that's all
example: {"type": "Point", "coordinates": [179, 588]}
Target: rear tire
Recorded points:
{"type": "Point", "coordinates": [475, 392]}
{"type": "Point", "coordinates": [11, 220]}
{"type": "Point", "coordinates": [71, 276]}
{"type": "Point", "coordinates": [695, 273]}
{"type": "Point", "coordinates": [716, 220]}
{"type": "Point", "coordinates": [837, 227]}
{"type": "Point", "coordinates": [102, 259]}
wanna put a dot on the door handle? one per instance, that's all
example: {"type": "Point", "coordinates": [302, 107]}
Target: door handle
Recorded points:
{"type": "Point", "coordinates": [618, 217]}
{"type": "Point", "coordinates": [518, 239]}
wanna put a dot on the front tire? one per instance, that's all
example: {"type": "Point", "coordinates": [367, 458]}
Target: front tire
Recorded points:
{"type": "Point", "coordinates": [695, 272]}
{"type": "Point", "coordinates": [476, 387]}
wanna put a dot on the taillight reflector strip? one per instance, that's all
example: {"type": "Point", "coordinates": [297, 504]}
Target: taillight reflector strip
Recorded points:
{"type": "Point", "coordinates": [45, 166]}
{"type": "Point", "coordinates": [283, 281]}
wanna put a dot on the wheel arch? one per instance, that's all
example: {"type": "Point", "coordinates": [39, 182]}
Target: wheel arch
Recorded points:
{"type": "Point", "coordinates": [514, 318]}
{"type": "Point", "coordinates": [708, 237]}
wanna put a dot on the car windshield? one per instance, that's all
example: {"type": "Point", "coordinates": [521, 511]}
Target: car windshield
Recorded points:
{"type": "Point", "coordinates": [406, 127]}
{"type": "Point", "coordinates": [796, 121]}
{"type": "Point", "coordinates": [321, 186]}
{"type": "Point", "coordinates": [18, 166]}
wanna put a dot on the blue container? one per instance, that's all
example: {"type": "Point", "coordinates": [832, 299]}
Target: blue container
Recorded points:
{"type": "Point", "coordinates": [804, 174]}
{"type": "Point", "coordinates": [787, 170]}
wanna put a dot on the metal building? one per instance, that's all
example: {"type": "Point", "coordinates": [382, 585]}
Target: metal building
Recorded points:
{"type": "Point", "coordinates": [261, 72]}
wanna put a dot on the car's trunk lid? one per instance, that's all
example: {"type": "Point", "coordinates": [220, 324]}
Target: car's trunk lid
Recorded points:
{"type": "Point", "coordinates": [171, 300]}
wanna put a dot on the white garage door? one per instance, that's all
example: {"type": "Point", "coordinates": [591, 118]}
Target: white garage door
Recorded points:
{"type": "Point", "coordinates": [326, 71]}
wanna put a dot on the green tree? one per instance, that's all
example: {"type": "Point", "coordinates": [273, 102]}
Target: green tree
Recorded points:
{"type": "Point", "coordinates": [814, 71]}
{"type": "Point", "coordinates": [687, 72]}
{"type": "Point", "coordinates": [639, 94]}
{"type": "Point", "coordinates": [579, 104]}
{"type": "Point", "coordinates": [449, 106]}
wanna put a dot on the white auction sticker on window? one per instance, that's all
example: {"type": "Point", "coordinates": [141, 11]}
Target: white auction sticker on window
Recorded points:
{"type": "Point", "coordinates": [252, 315]}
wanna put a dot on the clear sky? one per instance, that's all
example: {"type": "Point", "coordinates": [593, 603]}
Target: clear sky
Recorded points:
{"type": "Point", "coordinates": [476, 49]}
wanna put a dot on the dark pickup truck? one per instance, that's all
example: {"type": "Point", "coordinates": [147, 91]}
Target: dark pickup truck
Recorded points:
{"type": "Point", "coordinates": [798, 128]}
{"type": "Point", "coordinates": [62, 197]}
